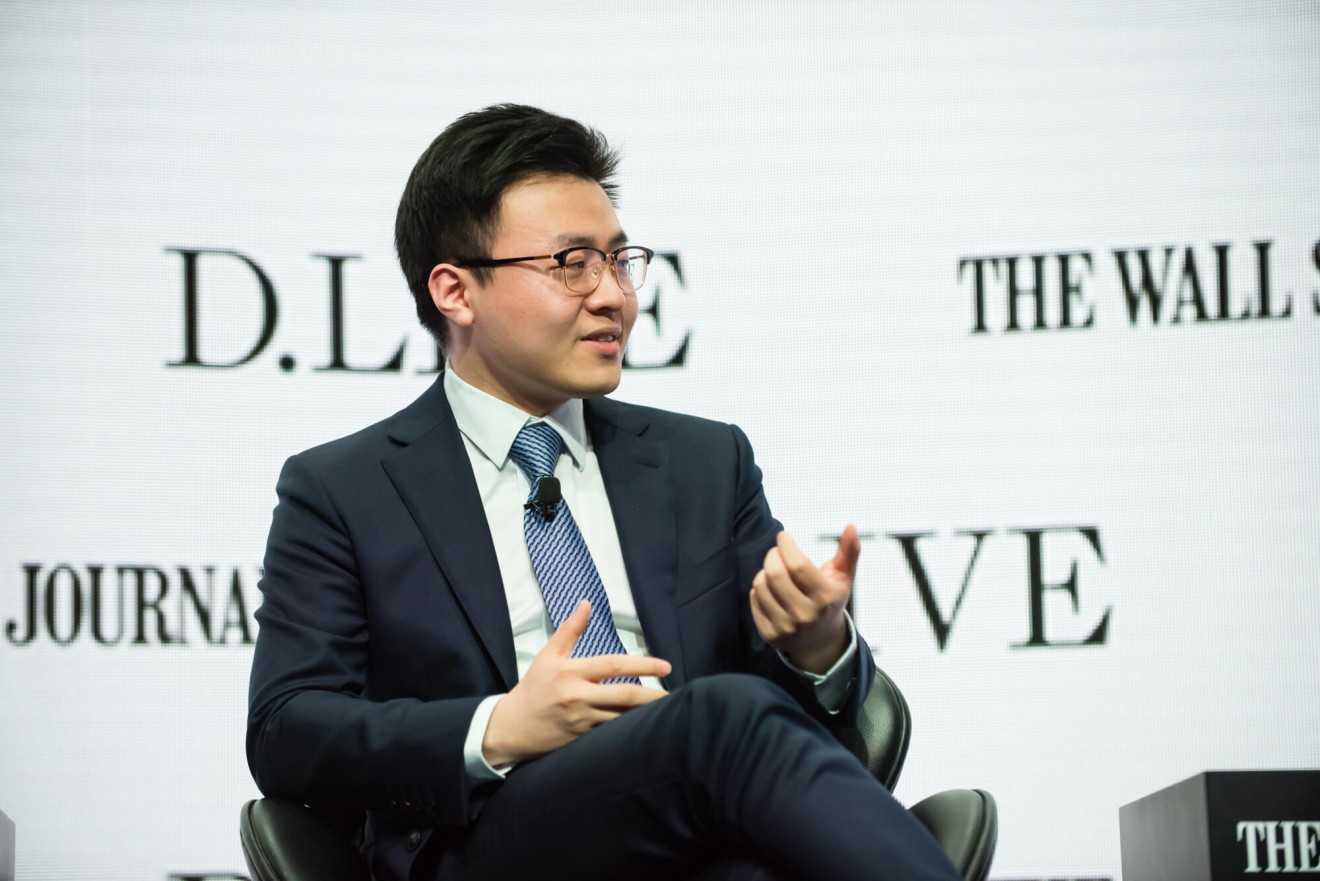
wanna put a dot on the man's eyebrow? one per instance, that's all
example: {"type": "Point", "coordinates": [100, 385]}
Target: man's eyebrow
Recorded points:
{"type": "Point", "coordinates": [572, 240]}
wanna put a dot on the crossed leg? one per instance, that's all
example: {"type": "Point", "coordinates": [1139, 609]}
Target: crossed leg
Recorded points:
{"type": "Point", "coordinates": [725, 778]}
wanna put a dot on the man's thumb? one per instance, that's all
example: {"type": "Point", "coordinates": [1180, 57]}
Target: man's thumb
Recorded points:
{"type": "Point", "coordinates": [850, 548]}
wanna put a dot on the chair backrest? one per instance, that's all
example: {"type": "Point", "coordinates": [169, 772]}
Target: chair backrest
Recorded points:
{"type": "Point", "coordinates": [966, 824]}
{"type": "Point", "coordinates": [285, 841]}
{"type": "Point", "coordinates": [883, 731]}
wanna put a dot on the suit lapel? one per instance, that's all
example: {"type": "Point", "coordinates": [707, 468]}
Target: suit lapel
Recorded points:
{"type": "Point", "coordinates": [433, 475]}
{"type": "Point", "coordinates": [639, 483]}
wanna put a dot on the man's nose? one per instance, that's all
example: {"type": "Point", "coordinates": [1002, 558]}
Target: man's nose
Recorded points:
{"type": "Point", "coordinates": [609, 295]}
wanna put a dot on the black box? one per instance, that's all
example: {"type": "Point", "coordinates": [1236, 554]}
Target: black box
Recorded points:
{"type": "Point", "coordinates": [1223, 825]}
{"type": "Point", "coordinates": [6, 848]}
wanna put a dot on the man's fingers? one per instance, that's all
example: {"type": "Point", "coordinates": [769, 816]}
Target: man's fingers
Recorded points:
{"type": "Point", "coordinates": [792, 592]}
{"type": "Point", "coordinates": [768, 593]}
{"type": "Point", "coordinates": [817, 583]}
{"type": "Point", "coordinates": [771, 620]}
{"type": "Point", "coordinates": [623, 695]}
{"type": "Point", "coordinates": [797, 564]}
{"type": "Point", "coordinates": [601, 667]}
{"type": "Point", "coordinates": [561, 642]}
{"type": "Point", "coordinates": [763, 624]}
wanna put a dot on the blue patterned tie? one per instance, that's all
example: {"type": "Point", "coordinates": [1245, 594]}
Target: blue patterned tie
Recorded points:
{"type": "Point", "coordinates": [559, 555]}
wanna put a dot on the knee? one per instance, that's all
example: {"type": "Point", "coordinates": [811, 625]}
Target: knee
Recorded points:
{"type": "Point", "coordinates": [740, 724]}
{"type": "Point", "coordinates": [739, 698]}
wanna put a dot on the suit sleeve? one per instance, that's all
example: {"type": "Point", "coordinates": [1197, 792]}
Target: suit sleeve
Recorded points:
{"type": "Point", "coordinates": [313, 734]}
{"type": "Point", "coordinates": [754, 532]}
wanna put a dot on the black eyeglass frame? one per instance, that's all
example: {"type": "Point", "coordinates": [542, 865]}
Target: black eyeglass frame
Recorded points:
{"type": "Point", "coordinates": [561, 259]}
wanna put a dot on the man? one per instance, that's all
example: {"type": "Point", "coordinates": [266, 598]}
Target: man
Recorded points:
{"type": "Point", "coordinates": [537, 633]}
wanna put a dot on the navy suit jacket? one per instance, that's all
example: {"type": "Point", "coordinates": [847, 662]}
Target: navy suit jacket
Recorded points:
{"type": "Point", "coordinates": [384, 622]}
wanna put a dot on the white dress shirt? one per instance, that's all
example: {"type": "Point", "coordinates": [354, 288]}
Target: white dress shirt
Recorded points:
{"type": "Point", "coordinates": [488, 426]}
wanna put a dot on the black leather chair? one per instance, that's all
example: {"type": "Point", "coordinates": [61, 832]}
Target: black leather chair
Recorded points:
{"type": "Point", "coordinates": [285, 841]}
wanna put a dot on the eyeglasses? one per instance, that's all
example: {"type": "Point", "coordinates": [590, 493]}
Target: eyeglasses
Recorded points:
{"type": "Point", "coordinates": [583, 267]}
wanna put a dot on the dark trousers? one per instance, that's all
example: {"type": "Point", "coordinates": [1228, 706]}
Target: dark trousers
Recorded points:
{"type": "Point", "coordinates": [725, 778]}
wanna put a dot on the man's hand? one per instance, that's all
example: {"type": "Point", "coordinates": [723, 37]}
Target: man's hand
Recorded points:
{"type": "Point", "coordinates": [562, 698]}
{"type": "Point", "coordinates": [799, 607]}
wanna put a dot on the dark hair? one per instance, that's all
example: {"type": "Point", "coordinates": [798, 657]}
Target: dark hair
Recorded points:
{"type": "Point", "coordinates": [450, 207]}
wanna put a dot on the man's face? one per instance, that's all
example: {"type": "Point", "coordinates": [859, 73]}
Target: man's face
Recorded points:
{"type": "Point", "coordinates": [531, 341]}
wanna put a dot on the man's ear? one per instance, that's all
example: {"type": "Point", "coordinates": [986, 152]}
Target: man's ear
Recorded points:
{"type": "Point", "coordinates": [450, 292]}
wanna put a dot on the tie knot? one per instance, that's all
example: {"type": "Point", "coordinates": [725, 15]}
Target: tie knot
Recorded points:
{"type": "Point", "coordinates": [536, 449]}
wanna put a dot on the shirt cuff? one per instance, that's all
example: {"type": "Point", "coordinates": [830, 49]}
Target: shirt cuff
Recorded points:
{"type": "Point", "coordinates": [480, 771]}
{"type": "Point", "coordinates": [833, 685]}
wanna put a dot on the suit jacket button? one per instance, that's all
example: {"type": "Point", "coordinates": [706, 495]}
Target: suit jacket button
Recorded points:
{"type": "Point", "coordinates": [414, 839]}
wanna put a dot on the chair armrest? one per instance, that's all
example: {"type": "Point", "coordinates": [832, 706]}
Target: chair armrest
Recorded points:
{"type": "Point", "coordinates": [286, 841]}
{"type": "Point", "coordinates": [884, 728]}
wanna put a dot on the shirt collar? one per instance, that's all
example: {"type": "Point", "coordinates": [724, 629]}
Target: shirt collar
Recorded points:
{"type": "Point", "coordinates": [491, 424]}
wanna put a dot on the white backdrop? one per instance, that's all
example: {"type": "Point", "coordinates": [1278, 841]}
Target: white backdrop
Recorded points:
{"type": "Point", "coordinates": [827, 175]}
